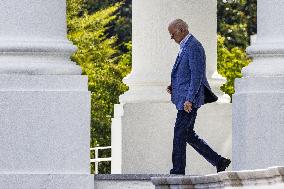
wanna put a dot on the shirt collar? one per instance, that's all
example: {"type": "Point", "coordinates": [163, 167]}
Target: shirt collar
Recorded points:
{"type": "Point", "coordinates": [182, 43]}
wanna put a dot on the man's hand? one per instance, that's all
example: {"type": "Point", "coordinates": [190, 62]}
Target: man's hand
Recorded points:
{"type": "Point", "coordinates": [187, 106]}
{"type": "Point", "coordinates": [169, 89]}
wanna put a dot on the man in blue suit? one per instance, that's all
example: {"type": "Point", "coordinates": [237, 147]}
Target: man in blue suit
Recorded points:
{"type": "Point", "coordinates": [190, 90]}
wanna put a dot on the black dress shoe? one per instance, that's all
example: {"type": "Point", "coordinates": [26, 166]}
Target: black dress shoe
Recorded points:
{"type": "Point", "coordinates": [172, 172]}
{"type": "Point", "coordinates": [223, 164]}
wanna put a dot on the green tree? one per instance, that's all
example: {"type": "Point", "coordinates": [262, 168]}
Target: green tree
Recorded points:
{"type": "Point", "coordinates": [236, 21]}
{"type": "Point", "coordinates": [230, 64]}
{"type": "Point", "coordinates": [121, 25]}
{"type": "Point", "coordinates": [97, 56]}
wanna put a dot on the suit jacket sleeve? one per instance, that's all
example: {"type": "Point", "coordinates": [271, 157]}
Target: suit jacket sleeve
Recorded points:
{"type": "Point", "coordinates": [197, 68]}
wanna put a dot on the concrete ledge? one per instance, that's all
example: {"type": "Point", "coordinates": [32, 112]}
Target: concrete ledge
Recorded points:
{"type": "Point", "coordinates": [46, 181]}
{"type": "Point", "coordinates": [125, 176]}
{"type": "Point", "coordinates": [130, 177]}
{"type": "Point", "coordinates": [245, 179]}
{"type": "Point", "coordinates": [124, 181]}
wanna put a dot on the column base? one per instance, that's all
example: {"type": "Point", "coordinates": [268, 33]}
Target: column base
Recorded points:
{"type": "Point", "coordinates": [258, 123]}
{"type": "Point", "coordinates": [142, 135]}
{"type": "Point", "coordinates": [44, 124]}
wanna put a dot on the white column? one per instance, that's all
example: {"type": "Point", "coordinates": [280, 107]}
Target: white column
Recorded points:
{"type": "Point", "coordinates": [142, 127]}
{"type": "Point", "coordinates": [258, 104]}
{"type": "Point", "coordinates": [44, 100]}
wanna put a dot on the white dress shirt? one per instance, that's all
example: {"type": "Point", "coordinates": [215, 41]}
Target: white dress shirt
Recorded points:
{"type": "Point", "coordinates": [182, 43]}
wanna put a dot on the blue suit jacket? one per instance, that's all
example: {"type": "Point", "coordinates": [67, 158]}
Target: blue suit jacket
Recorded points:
{"type": "Point", "coordinates": [188, 77]}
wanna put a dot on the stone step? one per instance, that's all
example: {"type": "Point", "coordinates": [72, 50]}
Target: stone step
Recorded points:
{"type": "Point", "coordinates": [271, 178]}
{"type": "Point", "coordinates": [126, 181]}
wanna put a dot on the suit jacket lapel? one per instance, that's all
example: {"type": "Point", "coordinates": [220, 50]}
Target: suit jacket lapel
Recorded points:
{"type": "Point", "coordinates": [179, 58]}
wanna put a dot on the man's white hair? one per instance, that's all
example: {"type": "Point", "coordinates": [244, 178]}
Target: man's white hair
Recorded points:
{"type": "Point", "coordinates": [179, 24]}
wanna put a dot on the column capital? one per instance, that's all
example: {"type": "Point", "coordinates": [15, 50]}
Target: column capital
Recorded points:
{"type": "Point", "coordinates": [34, 41]}
{"type": "Point", "coordinates": [268, 49]}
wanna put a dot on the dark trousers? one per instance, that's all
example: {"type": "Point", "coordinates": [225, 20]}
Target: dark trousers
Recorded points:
{"type": "Point", "coordinates": [184, 133]}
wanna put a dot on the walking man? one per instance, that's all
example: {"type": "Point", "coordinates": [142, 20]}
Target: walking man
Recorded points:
{"type": "Point", "coordinates": [189, 90]}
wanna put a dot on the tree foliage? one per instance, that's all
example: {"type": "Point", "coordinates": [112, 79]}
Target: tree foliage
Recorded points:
{"type": "Point", "coordinates": [121, 25]}
{"type": "Point", "coordinates": [230, 64]}
{"type": "Point", "coordinates": [236, 23]}
{"type": "Point", "coordinates": [98, 57]}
